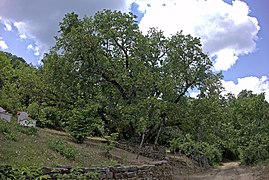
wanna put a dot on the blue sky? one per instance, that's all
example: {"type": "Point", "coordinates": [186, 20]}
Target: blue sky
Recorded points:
{"type": "Point", "coordinates": [257, 63]}
{"type": "Point", "coordinates": [234, 33]}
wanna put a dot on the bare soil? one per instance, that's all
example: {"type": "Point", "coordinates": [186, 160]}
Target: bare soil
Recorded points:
{"type": "Point", "coordinates": [227, 171]}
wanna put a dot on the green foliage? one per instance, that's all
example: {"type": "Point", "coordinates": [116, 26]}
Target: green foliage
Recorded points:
{"type": "Point", "coordinates": [33, 109]}
{"type": "Point", "coordinates": [76, 173]}
{"type": "Point", "coordinates": [35, 172]}
{"type": "Point", "coordinates": [50, 117]}
{"type": "Point", "coordinates": [256, 151]}
{"type": "Point", "coordinates": [7, 130]}
{"type": "Point", "coordinates": [196, 150]}
{"type": "Point", "coordinates": [63, 148]}
{"type": "Point", "coordinates": [247, 133]}
{"type": "Point", "coordinates": [104, 76]}
{"type": "Point", "coordinates": [29, 172]}
{"type": "Point", "coordinates": [4, 127]}
{"type": "Point", "coordinates": [132, 77]}
{"type": "Point", "coordinates": [112, 140]}
{"type": "Point", "coordinates": [83, 122]}
{"type": "Point", "coordinates": [170, 133]}
{"type": "Point", "coordinates": [21, 85]}
{"type": "Point", "coordinates": [174, 145]}
{"type": "Point", "coordinates": [31, 131]}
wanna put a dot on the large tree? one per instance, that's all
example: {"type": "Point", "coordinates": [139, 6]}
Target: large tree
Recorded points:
{"type": "Point", "coordinates": [134, 78]}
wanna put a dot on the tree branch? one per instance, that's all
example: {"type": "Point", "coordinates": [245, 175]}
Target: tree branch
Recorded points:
{"type": "Point", "coordinates": [125, 53]}
{"type": "Point", "coordinates": [114, 83]}
{"type": "Point", "coordinates": [188, 85]}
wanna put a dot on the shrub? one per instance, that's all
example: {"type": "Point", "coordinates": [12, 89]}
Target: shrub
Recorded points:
{"type": "Point", "coordinates": [63, 148]}
{"type": "Point", "coordinates": [76, 173]}
{"type": "Point", "coordinates": [34, 172]}
{"type": "Point", "coordinates": [50, 117]}
{"type": "Point", "coordinates": [112, 139]}
{"type": "Point", "coordinates": [83, 122]}
{"type": "Point", "coordinates": [174, 145]}
{"type": "Point", "coordinates": [29, 172]}
{"type": "Point", "coordinates": [33, 109]}
{"type": "Point", "coordinates": [202, 152]}
{"type": "Point", "coordinates": [256, 151]}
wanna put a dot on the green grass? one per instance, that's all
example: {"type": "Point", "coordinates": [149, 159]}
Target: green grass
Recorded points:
{"type": "Point", "coordinates": [20, 146]}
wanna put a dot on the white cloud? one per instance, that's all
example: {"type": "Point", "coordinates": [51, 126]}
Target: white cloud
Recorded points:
{"type": "Point", "coordinates": [7, 27]}
{"type": "Point", "coordinates": [22, 36]}
{"type": "Point", "coordinates": [223, 28]}
{"type": "Point", "coordinates": [3, 44]}
{"type": "Point", "coordinates": [22, 29]}
{"type": "Point", "coordinates": [257, 85]}
{"type": "Point", "coordinates": [225, 59]}
{"type": "Point", "coordinates": [30, 47]}
{"type": "Point", "coordinates": [39, 20]}
{"type": "Point", "coordinates": [226, 30]}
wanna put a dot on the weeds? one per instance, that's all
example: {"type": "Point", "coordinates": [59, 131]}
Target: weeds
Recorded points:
{"type": "Point", "coordinates": [112, 139]}
{"type": "Point", "coordinates": [63, 148]}
{"type": "Point", "coordinates": [35, 172]}
{"type": "Point", "coordinates": [6, 130]}
{"type": "Point", "coordinates": [28, 130]}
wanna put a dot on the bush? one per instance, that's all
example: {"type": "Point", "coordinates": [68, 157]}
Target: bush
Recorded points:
{"type": "Point", "coordinates": [202, 152]}
{"type": "Point", "coordinates": [256, 151]}
{"type": "Point", "coordinates": [76, 173]}
{"type": "Point", "coordinates": [84, 122]}
{"type": "Point", "coordinates": [63, 148]}
{"type": "Point", "coordinates": [51, 117]}
{"type": "Point", "coordinates": [34, 172]}
{"type": "Point", "coordinates": [170, 132]}
{"type": "Point", "coordinates": [29, 172]}
{"type": "Point", "coordinates": [33, 109]}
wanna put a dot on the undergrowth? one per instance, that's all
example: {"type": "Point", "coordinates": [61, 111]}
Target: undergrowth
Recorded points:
{"type": "Point", "coordinates": [35, 172]}
{"type": "Point", "coordinates": [63, 148]}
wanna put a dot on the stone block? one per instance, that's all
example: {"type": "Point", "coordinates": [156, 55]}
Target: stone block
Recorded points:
{"type": "Point", "coordinates": [131, 174]}
{"type": "Point", "coordinates": [131, 168]}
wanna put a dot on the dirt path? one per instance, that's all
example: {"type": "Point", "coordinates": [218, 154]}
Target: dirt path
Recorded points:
{"type": "Point", "coordinates": [228, 171]}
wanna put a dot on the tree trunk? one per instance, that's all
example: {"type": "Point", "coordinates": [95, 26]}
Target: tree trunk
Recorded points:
{"type": "Point", "coordinates": [141, 145]}
{"type": "Point", "coordinates": [158, 135]}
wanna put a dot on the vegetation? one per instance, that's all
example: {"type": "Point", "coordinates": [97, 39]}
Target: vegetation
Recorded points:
{"type": "Point", "coordinates": [112, 139]}
{"type": "Point", "coordinates": [33, 172]}
{"type": "Point", "coordinates": [63, 148]}
{"type": "Point", "coordinates": [103, 76]}
{"type": "Point", "coordinates": [46, 148]}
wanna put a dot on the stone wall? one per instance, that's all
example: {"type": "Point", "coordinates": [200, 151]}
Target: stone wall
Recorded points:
{"type": "Point", "coordinates": [156, 170]}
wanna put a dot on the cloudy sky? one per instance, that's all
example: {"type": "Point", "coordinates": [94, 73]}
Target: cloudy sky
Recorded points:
{"type": "Point", "coordinates": [234, 33]}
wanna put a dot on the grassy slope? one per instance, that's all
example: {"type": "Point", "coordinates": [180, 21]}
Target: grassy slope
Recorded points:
{"type": "Point", "coordinates": [18, 148]}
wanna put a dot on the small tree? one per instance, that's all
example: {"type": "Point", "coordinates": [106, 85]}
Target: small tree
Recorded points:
{"type": "Point", "coordinates": [84, 122]}
{"type": "Point", "coordinates": [112, 139]}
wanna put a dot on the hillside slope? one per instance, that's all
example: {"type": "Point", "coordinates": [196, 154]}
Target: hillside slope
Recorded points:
{"type": "Point", "coordinates": [27, 147]}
